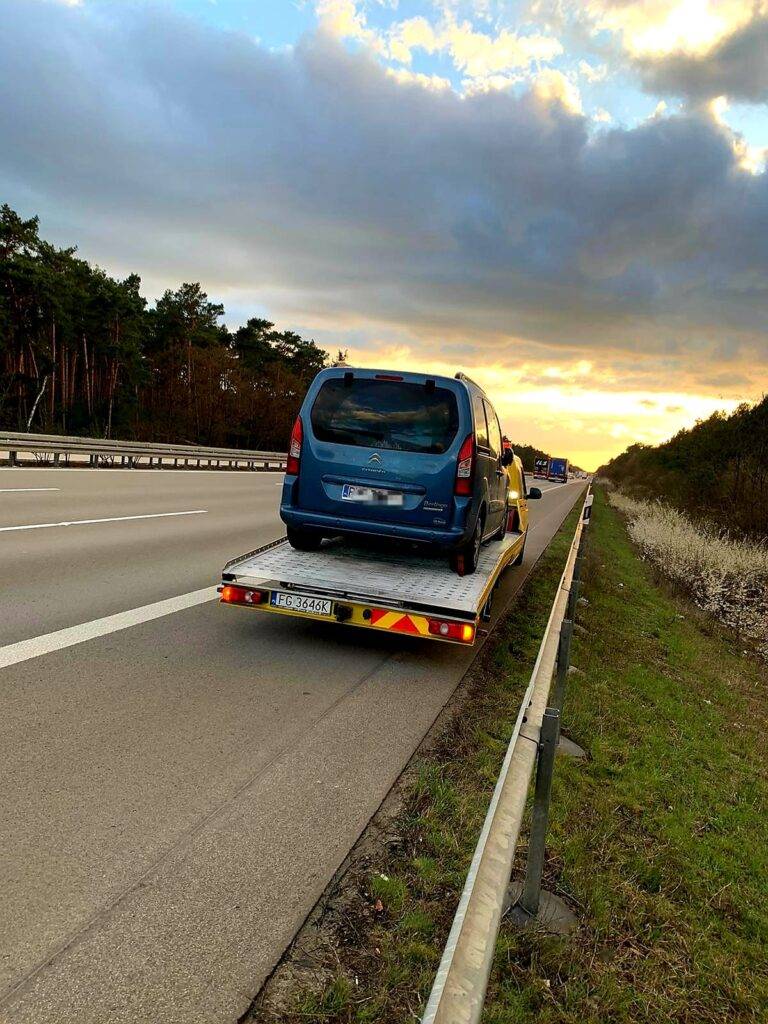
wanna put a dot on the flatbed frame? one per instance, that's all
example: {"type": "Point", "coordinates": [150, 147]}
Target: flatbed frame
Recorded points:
{"type": "Point", "coordinates": [371, 588]}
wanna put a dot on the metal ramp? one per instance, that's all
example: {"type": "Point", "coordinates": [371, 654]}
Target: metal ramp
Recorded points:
{"type": "Point", "coordinates": [383, 575]}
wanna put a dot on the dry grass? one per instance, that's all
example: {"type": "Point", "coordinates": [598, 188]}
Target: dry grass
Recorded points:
{"type": "Point", "coordinates": [725, 577]}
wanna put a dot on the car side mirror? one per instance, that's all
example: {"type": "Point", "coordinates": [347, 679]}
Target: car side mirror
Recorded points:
{"type": "Point", "coordinates": [508, 457]}
{"type": "Point", "coordinates": [534, 492]}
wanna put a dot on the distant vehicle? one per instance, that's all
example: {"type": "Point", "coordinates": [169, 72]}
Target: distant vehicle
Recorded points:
{"type": "Point", "coordinates": [558, 470]}
{"type": "Point", "coordinates": [404, 455]}
{"type": "Point", "coordinates": [540, 469]}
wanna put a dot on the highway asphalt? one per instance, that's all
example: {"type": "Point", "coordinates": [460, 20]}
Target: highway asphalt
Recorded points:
{"type": "Point", "coordinates": [178, 791]}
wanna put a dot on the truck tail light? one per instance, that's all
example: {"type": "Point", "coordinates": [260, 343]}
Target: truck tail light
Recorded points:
{"type": "Point", "coordinates": [461, 631]}
{"type": "Point", "coordinates": [294, 448]}
{"type": "Point", "coordinates": [465, 466]}
{"type": "Point", "coordinates": [231, 594]}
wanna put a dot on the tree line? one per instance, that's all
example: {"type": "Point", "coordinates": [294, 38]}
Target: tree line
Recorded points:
{"type": "Point", "coordinates": [83, 353]}
{"type": "Point", "coordinates": [716, 470]}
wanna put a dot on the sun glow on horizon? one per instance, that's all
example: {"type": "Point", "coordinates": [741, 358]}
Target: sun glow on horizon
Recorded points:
{"type": "Point", "coordinates": [570, 409]}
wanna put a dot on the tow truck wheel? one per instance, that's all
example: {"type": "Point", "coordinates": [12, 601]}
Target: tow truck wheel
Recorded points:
{"type": "Point", "coordinates": [464, 559]}
{"type": "Point", "coordinates": [502, 530]}
{"type": "Point", "coordinates": [303, 540]}
{"type": "Point", "coordinates": [519, 559]}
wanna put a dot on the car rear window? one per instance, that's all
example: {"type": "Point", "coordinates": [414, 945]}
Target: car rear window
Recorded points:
{"type": "Point", "coordinates": [371, 413]}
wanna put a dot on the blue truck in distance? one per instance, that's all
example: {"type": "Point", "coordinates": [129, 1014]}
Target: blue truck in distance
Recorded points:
{"type": "Point", "coordinates": [558, 470]}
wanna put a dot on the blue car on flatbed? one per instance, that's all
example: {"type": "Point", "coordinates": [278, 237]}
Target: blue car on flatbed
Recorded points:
{"type": "Point", "coordinates": [387, 454]}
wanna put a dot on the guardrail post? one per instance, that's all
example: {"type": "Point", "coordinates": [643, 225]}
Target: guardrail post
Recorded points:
{"type": "Point", "coordinates": [534, 868]}
{"type": "Point", "coordinates": [530, 905]}
{"type": "Point", "coordinates": [13, 458]}
{"type": "Point", "coordinates": [563, 660]}
{"type": "Point", "coordinates": [573, 597]}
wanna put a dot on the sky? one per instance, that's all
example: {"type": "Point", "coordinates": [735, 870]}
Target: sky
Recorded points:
{"type": "Point", "coordinates": [568, 201]}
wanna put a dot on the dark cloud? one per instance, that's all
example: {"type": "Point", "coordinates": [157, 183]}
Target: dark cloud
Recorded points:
{"type": "Point", "coordinates": [311, 183]}
{"type": "Point", "coordinates": [736, 67]}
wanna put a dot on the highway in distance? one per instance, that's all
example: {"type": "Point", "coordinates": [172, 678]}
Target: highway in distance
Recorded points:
{"type": "Point", "coordinates": [181, 779]}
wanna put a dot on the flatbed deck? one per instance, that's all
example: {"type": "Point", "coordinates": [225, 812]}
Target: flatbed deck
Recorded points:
{"type": "Point", "coordinates": [380, 588]}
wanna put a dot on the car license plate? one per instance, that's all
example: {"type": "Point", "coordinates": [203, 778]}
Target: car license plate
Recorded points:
{"type": "Point", "coordinates": [371, 495]}
{"type": "Point", "coordinates": [301, 603]}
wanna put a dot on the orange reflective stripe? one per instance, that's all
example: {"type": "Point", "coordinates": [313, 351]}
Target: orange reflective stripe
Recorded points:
{"type": "Point", "coordinates": [417, 625]}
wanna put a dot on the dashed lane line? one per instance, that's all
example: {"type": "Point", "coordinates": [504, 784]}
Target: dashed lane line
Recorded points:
{"type": "Point", "coordinates": [23, 650]}
{"type": "Point", "coordinates": [112, 519]}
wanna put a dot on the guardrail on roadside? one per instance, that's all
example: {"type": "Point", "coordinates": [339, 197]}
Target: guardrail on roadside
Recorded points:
{"type": "Point", "coordinates": [51, 449]}
{"type": "Point", "coordinates": [458, 992]}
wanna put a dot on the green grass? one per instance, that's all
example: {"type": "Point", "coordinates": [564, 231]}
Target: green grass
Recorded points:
{"type": "Point", "coordinates": [659, 841]}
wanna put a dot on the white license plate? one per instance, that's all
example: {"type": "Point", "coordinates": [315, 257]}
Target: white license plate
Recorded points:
{"type": "Point", "coordinates": [371, 495]}
{"type": "Point", "coordinates": [301, 603]}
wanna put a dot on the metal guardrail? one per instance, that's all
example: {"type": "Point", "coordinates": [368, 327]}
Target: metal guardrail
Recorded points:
{"type": "Point", "coordinates": [458, 992]}
{"type": "Point", "coordinates": [57, 450]}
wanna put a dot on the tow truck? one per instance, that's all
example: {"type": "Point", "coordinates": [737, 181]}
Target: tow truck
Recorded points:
{"type": "Point", "coordinates": [381, 587]}
{"type": "Point", "coordinates": [375, 588]}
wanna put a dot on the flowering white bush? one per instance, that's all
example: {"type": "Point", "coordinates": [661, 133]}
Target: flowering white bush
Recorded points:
{"type": "Point", "coordinates": [725, 577]}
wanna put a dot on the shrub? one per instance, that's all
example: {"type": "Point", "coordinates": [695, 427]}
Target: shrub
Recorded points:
{"type": "Point", "coordinates": [727, 578]}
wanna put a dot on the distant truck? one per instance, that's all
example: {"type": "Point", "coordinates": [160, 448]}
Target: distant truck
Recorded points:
{"type": "Point", "coordinates": [558, 470]}
{"type": "Point", "coordinates": [540, 469]}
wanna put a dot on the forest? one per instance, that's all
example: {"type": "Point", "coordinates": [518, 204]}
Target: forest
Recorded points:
{"type": "Point", "coordinates": [85, 354]}
{"type": "Point", "coordinates": [716, 471]}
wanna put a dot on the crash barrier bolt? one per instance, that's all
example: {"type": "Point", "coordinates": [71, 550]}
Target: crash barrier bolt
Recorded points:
{"type": "Point", "coordinates": [534, 868]}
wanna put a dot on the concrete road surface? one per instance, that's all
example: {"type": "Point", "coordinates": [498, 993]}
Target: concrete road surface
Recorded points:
{"type": "Point", "coordinates": [180, 779]}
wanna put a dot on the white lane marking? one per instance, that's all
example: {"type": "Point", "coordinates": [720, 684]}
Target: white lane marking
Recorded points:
{"type": "Point", "coordinates": [12, 490]}
{"type": "Point", "coordinates": [113, 519]}
{"type": "Point", "coordinates": [12, 654]}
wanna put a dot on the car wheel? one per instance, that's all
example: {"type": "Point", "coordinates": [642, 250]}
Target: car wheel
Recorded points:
{"type": "Point", "coordinates": [464, 559]}
{"type": "Point", "coordinates": [303, 540]}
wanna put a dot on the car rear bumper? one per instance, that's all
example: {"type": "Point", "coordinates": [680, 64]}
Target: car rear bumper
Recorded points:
{"type": "Point", "coordinates": [302, 519]}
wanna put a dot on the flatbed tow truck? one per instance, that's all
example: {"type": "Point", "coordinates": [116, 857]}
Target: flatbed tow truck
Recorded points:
{"type": "Point", "coordinates": [372, 588]}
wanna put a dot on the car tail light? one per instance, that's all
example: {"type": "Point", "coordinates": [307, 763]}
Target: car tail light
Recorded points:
{"type": "Point", "coordinates": [465, 466]}
{"type": "Point", "coordinates": [294, 448]}
{"type": "Point", "coordinates": [461, 631]}
{"type": "Point", "coordinates": [242, 595]}
{"type": "Point", "coordinates": [387, 376]}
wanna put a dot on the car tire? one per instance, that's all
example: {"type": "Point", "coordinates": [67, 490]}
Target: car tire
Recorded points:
{"type": "Point", "coordinates": [464, 559]}
{"type": "Point", "coordinates": [519, 559]}
{"type": "Point", "coordinates": [303, 540]}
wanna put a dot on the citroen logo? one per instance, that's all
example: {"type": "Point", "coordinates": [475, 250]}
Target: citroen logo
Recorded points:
{"type": "Point", "coordinates": [375, 458]}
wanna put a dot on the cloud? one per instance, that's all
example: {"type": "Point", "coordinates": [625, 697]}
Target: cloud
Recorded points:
{"type": "Point", "coordinates": [314, 184]}
{"type": "Point", "coordinates": [657, 28]}
{"type": "Point", "coordinates": [485, 60]}
{"type": "Point", "coordinates": [737, 67]}
{"type": "Point", "coordinates": [552, 85]}
{"type": "Point", "coordinates": [696, 49]}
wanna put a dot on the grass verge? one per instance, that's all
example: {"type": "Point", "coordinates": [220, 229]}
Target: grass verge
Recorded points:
{"type": "Point", "coordinates": [659, 841]}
